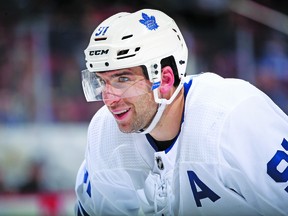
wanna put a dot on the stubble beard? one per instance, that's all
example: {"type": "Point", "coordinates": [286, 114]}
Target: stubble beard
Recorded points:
{"type": "Point", "coordinates": [143, 113]}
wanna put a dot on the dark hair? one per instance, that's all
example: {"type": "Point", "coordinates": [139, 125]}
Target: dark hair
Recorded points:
{"type": "Point", "coordinates": [168, 61]}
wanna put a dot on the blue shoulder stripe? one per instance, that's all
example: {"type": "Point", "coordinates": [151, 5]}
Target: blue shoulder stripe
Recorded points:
{"type": "Point", "coordinates": [81, 211]}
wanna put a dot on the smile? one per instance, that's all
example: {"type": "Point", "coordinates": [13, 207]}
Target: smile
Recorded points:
{"type": "Point", "coordinates": [119, 115]}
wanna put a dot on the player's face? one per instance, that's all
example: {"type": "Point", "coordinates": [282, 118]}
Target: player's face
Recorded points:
{"type": "Point", "coordinates": [134, 107]}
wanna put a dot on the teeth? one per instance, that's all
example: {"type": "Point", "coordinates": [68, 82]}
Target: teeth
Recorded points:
{"type": "Point", "coordinates": [120, 112]}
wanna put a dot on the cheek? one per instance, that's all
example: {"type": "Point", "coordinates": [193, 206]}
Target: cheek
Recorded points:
{"type": "Point", "coordinates": [145, 103]}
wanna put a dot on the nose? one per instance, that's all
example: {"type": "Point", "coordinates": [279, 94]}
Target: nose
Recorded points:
{"type": "Point", "coordinates": [111, 94]}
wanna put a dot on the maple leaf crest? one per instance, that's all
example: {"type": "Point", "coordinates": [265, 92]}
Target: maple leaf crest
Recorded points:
{"type": "Point", "coordinates": [149, 22]}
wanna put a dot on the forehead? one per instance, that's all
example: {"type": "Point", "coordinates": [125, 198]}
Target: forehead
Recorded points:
{"type": "Point", "coordinates": [132, 71]}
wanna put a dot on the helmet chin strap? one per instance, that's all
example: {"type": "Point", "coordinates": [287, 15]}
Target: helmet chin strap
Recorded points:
{"type": "Point", "coordinates": [155, 120]}
{"type": "Point", "coordinates": [162, 105]}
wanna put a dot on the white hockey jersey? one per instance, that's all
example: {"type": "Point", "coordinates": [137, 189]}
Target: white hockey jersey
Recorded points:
{"type": "Point", "coordinates": [230, 158]}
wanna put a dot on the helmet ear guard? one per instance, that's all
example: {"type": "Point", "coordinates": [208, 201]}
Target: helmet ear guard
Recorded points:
{"type": "Point", "coordinates": [154, 74]}
{"type": "Point", "coordinates": [155, 79]}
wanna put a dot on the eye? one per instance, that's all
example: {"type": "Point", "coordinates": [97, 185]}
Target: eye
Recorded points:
{"type": "Point", "coordinates": [102, 82]}
{"type": "Point", "coordinates": [123, 79]}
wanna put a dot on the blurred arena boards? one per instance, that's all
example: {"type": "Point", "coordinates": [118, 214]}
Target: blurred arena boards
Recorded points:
{"type": "Point", "coordinates": [58, 149]}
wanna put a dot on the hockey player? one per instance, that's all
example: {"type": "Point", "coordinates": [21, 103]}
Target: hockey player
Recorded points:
{"type": "Point", "coordinates": [170, 144]}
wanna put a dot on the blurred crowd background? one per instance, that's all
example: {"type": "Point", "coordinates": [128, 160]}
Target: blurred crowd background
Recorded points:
{"type": "Point", "coordinates": [43, 112]}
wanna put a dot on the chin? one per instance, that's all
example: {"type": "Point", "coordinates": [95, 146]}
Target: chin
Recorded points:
{"type": "Point", "coordinates": [125, 129]}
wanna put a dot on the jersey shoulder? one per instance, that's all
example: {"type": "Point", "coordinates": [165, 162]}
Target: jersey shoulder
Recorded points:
{"type": "Point", "coordinates": [214, 90]}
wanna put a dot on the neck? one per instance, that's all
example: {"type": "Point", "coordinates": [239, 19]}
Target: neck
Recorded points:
{"type": "Point", "coordinates": [170, 122]}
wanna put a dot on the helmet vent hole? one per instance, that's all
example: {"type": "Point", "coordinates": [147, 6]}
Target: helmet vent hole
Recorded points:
{"type": "Point", "coordinates": [123, 52]}
{"type": "Point", "coordinates": [137, 49]}
{"type": "Point", "coordinates": [127, 56]}
{"type": "Point", "coordinates": [100, 39]}
{"type": "Point", "coordinates": [177, 34]}
{"type": "Point", "coordinates": [126, 37]}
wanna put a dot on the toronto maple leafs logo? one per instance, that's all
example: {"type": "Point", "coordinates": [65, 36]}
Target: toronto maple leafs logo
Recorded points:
{"type": "Point", "coordinates": [149, 22]}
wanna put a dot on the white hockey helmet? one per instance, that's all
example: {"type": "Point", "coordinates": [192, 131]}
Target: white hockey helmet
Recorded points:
{"type": "Point", "coordinates": [126, 40]}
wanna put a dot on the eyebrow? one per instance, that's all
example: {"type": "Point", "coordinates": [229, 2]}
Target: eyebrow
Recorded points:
{"type": "Point", "coordinates": [122, 74]}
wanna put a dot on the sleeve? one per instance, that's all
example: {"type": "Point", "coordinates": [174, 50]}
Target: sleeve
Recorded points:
{"type": "Point", "coordinates": [101, 190]}
{"type": "Point", "coordinates": [109, 192]}
{"type": "Point", "coordinates": [114, 193]}
{"type": "Point", "coordinates": [83, 205]}
{"type": "Point", "coordinates": [254, 146]}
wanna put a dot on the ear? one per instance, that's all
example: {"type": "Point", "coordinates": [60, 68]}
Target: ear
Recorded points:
{"type": "Point", "coordinates": [167, 80]}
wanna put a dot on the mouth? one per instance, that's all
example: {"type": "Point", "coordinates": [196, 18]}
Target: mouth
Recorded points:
{"type": "Point", "coordinates": [120, 114]}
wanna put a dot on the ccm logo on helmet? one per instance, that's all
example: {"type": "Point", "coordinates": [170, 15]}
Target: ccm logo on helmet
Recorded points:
{"type": "Point", "coordinates": [98, 52]}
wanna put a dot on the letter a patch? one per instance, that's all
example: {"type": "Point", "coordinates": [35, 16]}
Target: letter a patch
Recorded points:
{"type": "Point", "coordinates": [205, 191]}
